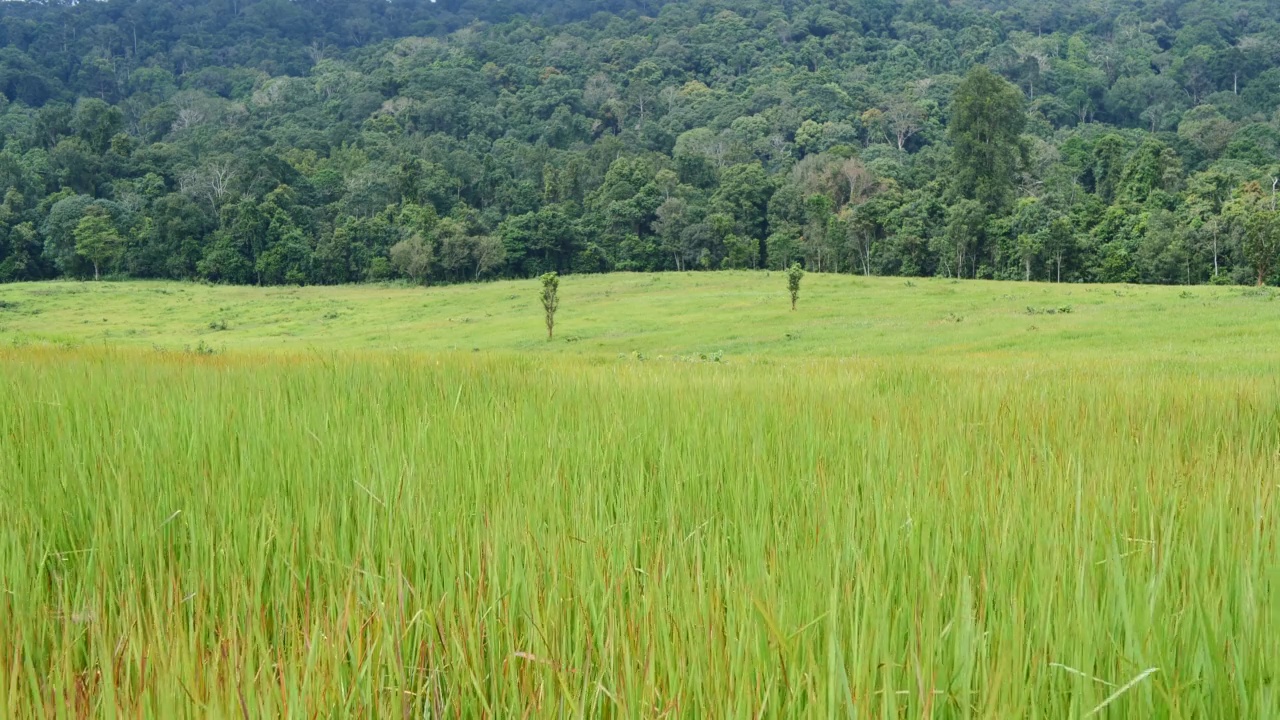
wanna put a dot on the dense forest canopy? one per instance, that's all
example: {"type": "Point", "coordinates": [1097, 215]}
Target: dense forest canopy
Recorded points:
{"type": "Point", "coordinates": [333, 141]}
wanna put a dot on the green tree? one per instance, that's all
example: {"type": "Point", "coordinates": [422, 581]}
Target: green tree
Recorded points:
{"type": "Point", "coordinates": [655, 135]}
{"type": "Point", "coordinates": [1262, 243]}
{"type": "Point", "coordinates": [966, 222]}
{"type": "Point", "coordinates": [1153, 167]}
{"type": "Point", "coordinates": [1059, 243]}
{"type": "Point", "coordinates": [1259, 216]}
{"type": "Point", "coordinates": [413, 258]}
{"type": "Point", "coordinates": [96, 122]}
{"type": "Point", "coordinates": [97, 239]}
{"type": "Point", "coordinates": [816, 241]}
{"type": "Point", "coordinates": [24, 250]}
{"type": "Point", "coordinates": [550, 296]}
{"type": "Point", "coordinates": [288, 260]}
{"type": "Point", "coordinates": [225, 261]}
{"type": "Point", "coordinates": [1207, 130]}
{"type": "Point", "coordinates": [1107, 165]}
{"type": "Point", "coordinates": [987, 120]}
{"type": "Point", "coordinates": [540, 241]}
{"type": "Point", "coordinates": [794, 275]}
{"type": "Point", "coordinates": [1030, 223]}
{"type": "Point", "coordinates": [670, 225]}
{"type": "Point", "coordinates": [1147, 100]}
{"type": "Point", "coordinates": [744, 194]}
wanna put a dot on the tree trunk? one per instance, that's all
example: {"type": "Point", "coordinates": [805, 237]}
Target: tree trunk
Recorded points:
{"type": "Point", "coordinates": [96, 276]}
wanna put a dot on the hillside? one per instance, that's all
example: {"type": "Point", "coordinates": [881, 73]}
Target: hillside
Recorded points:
{"type": "Point", "coordinates": [962, 510]}
{"type": "Point", "coordinates": [315, 142]}
{"type": "Point", "coordinates": [739, 315]}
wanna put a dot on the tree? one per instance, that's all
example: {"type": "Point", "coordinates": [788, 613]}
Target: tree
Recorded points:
{"type": "Point", "coordinates": [1260, 219]}
{"type": "Point", "coordinates": [331, 263]}
{"type": "Point", "coordinates": [286, 261]}
{"type": "Point", "coordinates": [540, 241]}
{"type": "Point", "coordinates": [986, 134]}
{"type": "Point", "coordinates": [1152, 167]}
{"type": "Point", "coordinates": [904, 118]}
{"type": "Point", "coordinates": [225, 261]}
{"type": "Point", "coordinates": [1206, 129]}
{"type": "Point", "coordinates": [550, 297]}
{"type": "Point", "coordinates": [866, 225]}
{"type": "Point", "coordinates": [97, 239]}
{"type": "Point", "coordinates": [22, 262]}
{"type": "Point", "coordinates": [96, 123]}
{"type": "Point", "coordinates": [1059, 242]}
{"type": "Point", "coordinates": [1148, 99]}
{"type": "Point", "coordinates": [816, 240]}
{"type": "Point", "coordinates": [794, 275]}
{"type": "Point", "coordinates": [672, 220]}
{"type": "Point", "coordinates": [965, 223]}
{"type": "Point", "coordinates": [1207, 194]}
{"type": "Point", "coordinates": [656, 135]}
{"type": "Point", "coordinates": [1107, 165]}
{"type": "Point", "coordinates": [211, 183]}
{"type": "Point", "coordinates": [413, 258]}
{"type": "Point", "coordinates": [744, 194]}
{"type": "Point", "coordinates": [489, 255]}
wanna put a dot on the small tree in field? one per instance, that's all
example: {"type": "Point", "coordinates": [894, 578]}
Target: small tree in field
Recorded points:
{"type": "Point", "coordinates": [793, 282]}
{"type": "Point", "coordinates": [550, 299]}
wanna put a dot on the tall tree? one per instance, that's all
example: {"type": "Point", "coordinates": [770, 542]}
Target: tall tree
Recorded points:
{"type": "Point", "coordinates": [1259, 214]}
{"type": "Point", "coordinates": [987, 120]}
{"type": "Point", "coordinates": [97, 239]}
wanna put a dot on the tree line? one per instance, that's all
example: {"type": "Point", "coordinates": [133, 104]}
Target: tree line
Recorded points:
{"type": "Point", "coordinates": [321, 142]}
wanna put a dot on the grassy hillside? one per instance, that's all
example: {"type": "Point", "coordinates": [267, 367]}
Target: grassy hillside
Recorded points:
{"type": "Point", "coordinates": [739, 314]}
{"type": "Point", "coordinates": [471, 535]}
{"type": "Point", "coordinates": [925, 502]}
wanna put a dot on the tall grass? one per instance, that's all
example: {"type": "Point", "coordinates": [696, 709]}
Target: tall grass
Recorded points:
{"type": "Point", "coordinates": [472, 536]}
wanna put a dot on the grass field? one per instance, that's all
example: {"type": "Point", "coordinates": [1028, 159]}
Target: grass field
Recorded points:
{"type": "Point", "coordinates": [738, 314]}
{"type": "Point", "coordinates": [925, 502]}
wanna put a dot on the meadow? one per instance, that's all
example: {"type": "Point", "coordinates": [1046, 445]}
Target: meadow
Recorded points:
{"type": "Point", "coordinates": [738, 314]}
{"type": "Point", "coordinates": [931, 499]}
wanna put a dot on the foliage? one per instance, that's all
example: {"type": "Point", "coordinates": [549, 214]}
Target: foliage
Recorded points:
{"type": "Point", "coordinates": [1260, 218]}
{"type": "Point", "coordinates": [257, 141]}
{"type": "Point", "coordinates": [96, 239]}
{"type": "Point", "coordinates": [987, 120]}
{"type": "Point", "coordinates": [794, 274]}
{"type": "Point", "coordinates": [550, 297]}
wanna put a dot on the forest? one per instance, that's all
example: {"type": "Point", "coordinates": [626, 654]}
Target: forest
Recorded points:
{"type": "Point", "coordinates": [340, 141]}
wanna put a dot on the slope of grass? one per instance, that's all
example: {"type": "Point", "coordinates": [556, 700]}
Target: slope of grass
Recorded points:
{"type": "Point", "coordinates": [464, 536]}
{"type": "Point", "coordinates": [925, 502]}
{"type": "Point", "coordinates": [739, 314]}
